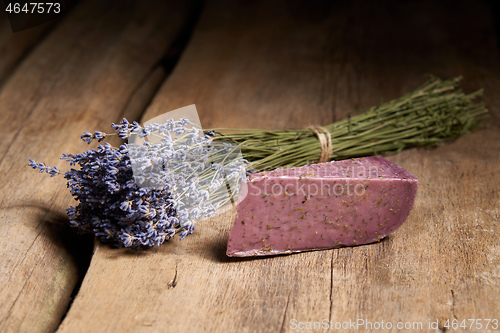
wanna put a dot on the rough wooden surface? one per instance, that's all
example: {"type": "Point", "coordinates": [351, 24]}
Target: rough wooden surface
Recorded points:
{"type": "Point", "coordinates": [263, 65]}
{"type": "Point", "coordinates": [15, 47]}
{"type": "Point", "coordinates": [88, 71]}
{"type": "Point", "coordinates": [282, 66]}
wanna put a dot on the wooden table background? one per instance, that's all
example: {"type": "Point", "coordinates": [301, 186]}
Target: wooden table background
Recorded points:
{"type": "Point", "coordinates": [262, 64]}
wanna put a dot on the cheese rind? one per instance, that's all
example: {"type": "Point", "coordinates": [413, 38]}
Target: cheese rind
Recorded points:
{"type": "Point", "coordinates": [321, 206]}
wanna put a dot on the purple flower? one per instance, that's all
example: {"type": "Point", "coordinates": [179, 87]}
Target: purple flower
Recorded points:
{"type": "Point", "coordinates": [53, 171]}
{"type": "Point", "coordinates": [126, 196]}
{"type": "Point", "coordinates": [108, 198]}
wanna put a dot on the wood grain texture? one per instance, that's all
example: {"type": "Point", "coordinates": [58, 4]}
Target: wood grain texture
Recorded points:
{"type": "Point", "coordinates": [84, 75]}
{"type": "Point", "coordinates": [281, 66]}
{"type": "Point", "coordinates": [14, 47]}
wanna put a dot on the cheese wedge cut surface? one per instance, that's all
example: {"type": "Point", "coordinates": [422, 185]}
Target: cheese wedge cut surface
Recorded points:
{"type": "Point", "coordinates": [321, 206]}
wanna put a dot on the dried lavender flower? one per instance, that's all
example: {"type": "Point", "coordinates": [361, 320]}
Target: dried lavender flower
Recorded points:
{"type": "Point", "coordinates": [139, 195]}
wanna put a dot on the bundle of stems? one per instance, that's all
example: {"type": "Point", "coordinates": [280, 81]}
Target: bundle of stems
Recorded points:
{"type": "Point", "coordinates": [438, 110]}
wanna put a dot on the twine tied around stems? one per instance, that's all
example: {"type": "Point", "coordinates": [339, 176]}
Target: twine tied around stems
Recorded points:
{"type": "Point", "coordinates": [325, 141]}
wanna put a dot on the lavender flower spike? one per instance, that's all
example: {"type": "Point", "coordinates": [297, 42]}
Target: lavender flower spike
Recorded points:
{"type": "Point", "coordinates": [142, 195]}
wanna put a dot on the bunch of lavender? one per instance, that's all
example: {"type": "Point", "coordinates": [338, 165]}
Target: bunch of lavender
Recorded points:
{"type": "Point", "coordinates": [143, 194]}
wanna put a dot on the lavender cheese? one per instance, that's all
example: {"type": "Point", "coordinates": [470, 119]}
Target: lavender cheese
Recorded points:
{"type": "Point", "coordinates": [321, 206]}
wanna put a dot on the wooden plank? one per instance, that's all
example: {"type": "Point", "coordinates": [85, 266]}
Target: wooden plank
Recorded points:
{"type": "Point", "coordinates": [265, 65]}
{"type": "Point", "coordinates": [96, 65]}
{"type": "Point", "coordinates": [15, 46]}
{"type": "Point", "coordinates": [433, 267]}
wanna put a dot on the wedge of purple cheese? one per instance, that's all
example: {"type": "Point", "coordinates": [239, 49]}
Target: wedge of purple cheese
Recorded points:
{"type": "Point", "coordinates": [321, 206]}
